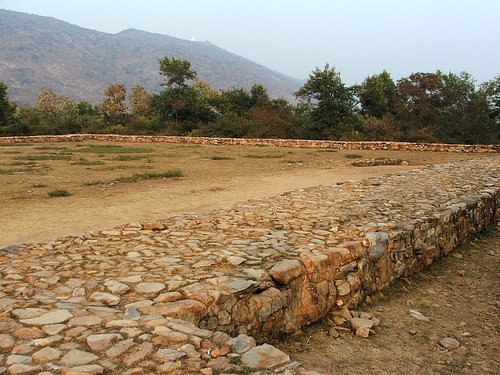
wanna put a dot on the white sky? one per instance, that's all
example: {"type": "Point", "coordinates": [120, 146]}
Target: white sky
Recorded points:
{"type": "Point", "coordinates": [358, 37]}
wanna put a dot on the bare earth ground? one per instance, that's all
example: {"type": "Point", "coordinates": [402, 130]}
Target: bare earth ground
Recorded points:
{"type": "Point", "coordinates": [464, 307]}
{"type": "Point", "coordinates": [28, 214]}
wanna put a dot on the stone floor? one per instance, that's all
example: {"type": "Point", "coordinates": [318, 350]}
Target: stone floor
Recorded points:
{"type": "Point", "coordinates": [130, 300]}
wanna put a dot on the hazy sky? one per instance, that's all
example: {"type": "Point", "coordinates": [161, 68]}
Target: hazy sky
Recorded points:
{"type": "Point", "coordinates": [358, 37]}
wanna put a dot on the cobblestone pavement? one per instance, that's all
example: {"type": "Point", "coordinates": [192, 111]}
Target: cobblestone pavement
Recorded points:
{"type": "Point", "coordinates": [150, 298]}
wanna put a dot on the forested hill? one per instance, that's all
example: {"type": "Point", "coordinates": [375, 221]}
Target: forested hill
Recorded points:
{"type": "Point", "coordinates": [42, 52]}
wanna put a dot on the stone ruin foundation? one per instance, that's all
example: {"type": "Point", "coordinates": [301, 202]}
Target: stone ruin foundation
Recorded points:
{"type": "Point", "coordinates": [160, 297]}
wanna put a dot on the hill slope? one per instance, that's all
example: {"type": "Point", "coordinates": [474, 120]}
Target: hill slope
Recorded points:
{"type": "Point", "coordinates": [80, 63]}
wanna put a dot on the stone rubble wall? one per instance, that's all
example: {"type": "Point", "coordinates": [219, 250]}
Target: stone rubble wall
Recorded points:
{"type": "Point", "coordinates": [339, 145]}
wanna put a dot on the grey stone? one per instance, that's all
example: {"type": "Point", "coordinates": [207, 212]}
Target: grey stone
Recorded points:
{"type": "Point", "coordinates": [86, 320]}
{"type": "Point", "coordinates": [116, 287]}
{"type": "Point", "coordinates": [285, 271]}
{"type": "Point", "coordinates": [76, 357]}
{"type": "Point", "coordinates": [150, 287]}
{"type": "Point", "coordinates": [46, 354]}
{"type": "Point", "coordinates": [6, 341]}
{"type": "Point", "coordinates": [377, 245]}
{"type": "Point", "coordinates": [242, 286]}
{"type": "Point", "coordinates": [419, 316]}
{"type": "Point", "coordinates": [52, 317]}
{"type": "Point", "coordinates": [102, 341]}
{"type": "Point", "coordinates": [168, 355]}
{"type": "Point", "coordinates": [22, 369]}
{"type": "Point", "coordinates": [107, 298]}
{"type": "Point", "coordinates": [235, 261]}
{"type": "Point", "coordinates": [264, 356]}
{"type": "Point", "coordinates": [449, 343]}
{"type": "Point", "coordinates": [16, 358]}
{"type": "Point", "coordinates": [360, 322]}
{"type": "Point", "coordinates": [85, 370]}
{"type": "Point", "coordinates": [119, 348]}
{"type": "Point", "coordinates": [241, 343]}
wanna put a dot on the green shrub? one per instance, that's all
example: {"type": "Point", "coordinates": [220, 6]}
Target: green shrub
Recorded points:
{"type": "Point", "coordinates": [59, 193]}
{"type": "Point", "coordinates": [353, 156]}
{"type": "Point", "coordinates": [127, 157]}
{"type": "Point", "coordinates": [149, 176]}
{"type": "Point", "coordinates": [221, 158]}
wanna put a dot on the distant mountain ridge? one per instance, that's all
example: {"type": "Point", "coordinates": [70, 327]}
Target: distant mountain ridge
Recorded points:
{"type": "Point", "coordinates": [38, 52]}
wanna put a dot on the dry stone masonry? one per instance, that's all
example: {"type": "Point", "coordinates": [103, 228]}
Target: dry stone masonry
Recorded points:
{"type": "Point", "coordinates": [338, 145]}
{"type": "Point", "coordinates": [191, 293]}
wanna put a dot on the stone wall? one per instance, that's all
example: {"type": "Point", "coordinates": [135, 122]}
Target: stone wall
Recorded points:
{"type": "Point", "coordinates": [340, 145]}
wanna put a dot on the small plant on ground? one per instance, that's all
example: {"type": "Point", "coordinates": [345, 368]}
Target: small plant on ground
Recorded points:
{"type": "Point", "coordinates": [110, 149]}
{"type": "Point", "coordinates": [353, 156]}
{"type": "Point", "coordinates": [83, 161]}
{"type": "Point", "coordinates": [15, 144]}
{"type": "Point", "coordinates": [59, 193]}
{"type": "Point", "coordinates": [44, 157]}
{"type": "Point", "coordinates": [218, 157]}
{"type": "Point", "coordinates": [128, 157]}
{"type": "Point", "coordinates": [51, 148]}
{"type": "Point", "coordinates": [327, 150]}
{"type": "Point", "coordinates": [235, 361]}
{"type": "Point", "coordinates": [266, 156]}
{"type": "Point", "coordinates": [149, 176]}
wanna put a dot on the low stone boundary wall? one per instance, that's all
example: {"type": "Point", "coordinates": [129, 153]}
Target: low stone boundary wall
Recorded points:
{"type": "Point", "coordinates": [339, 145]}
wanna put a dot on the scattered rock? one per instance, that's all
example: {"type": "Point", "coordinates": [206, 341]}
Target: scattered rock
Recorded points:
{"type": "Point", "coordinates": [419, 316]}
{"type": "Point", "coordinates": [241, 343]}
{"type": "Point", "coordinates": [449, 343]}
{"type": "Point", "coordinates": [264, 356]}
{"type": "Point", "coordinates": [357, 323]}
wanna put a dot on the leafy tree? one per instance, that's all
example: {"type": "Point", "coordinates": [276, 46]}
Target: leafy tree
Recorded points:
{"type": "Point", "coordinates": [139, 101]}
{"type": "Point", "coordinates": [443, 107]}
{"type": "Point", "coordinates": [183, 103]}
{"type": "Point", "coordinates": [377, 95]}
{"type": "Point", "coordinates": [57, 114]}
{"type": "Point", "coordinates": [234, 102]}
{"type": "Point", "coordinates": [47, 102]}
{"type": "Point", "coordinates": [113, 106]}
{"type": "Point", "coordinates": [6, 109]}
{"type": "Point", "coordinates": [259, 95]}
{"type": "Point", "coordinates": [177, 71]}
{"type": "Point", "coordinates": [491, 90]}
{"type": "Point", "coordinates": [332, 103]}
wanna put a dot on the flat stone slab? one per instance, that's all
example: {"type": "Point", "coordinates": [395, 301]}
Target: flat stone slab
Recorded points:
{"type": "Point", "coordinates": [52, 317]}
{"type": "Point", "coordinates": [264, 356]}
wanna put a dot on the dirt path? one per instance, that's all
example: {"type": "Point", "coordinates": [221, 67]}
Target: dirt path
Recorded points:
{"type": "Point", "coordinates": [110, 206]}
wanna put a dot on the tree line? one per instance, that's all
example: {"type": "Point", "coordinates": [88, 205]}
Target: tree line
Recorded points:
{"type": "Point", "coordinates": [423, 107]}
